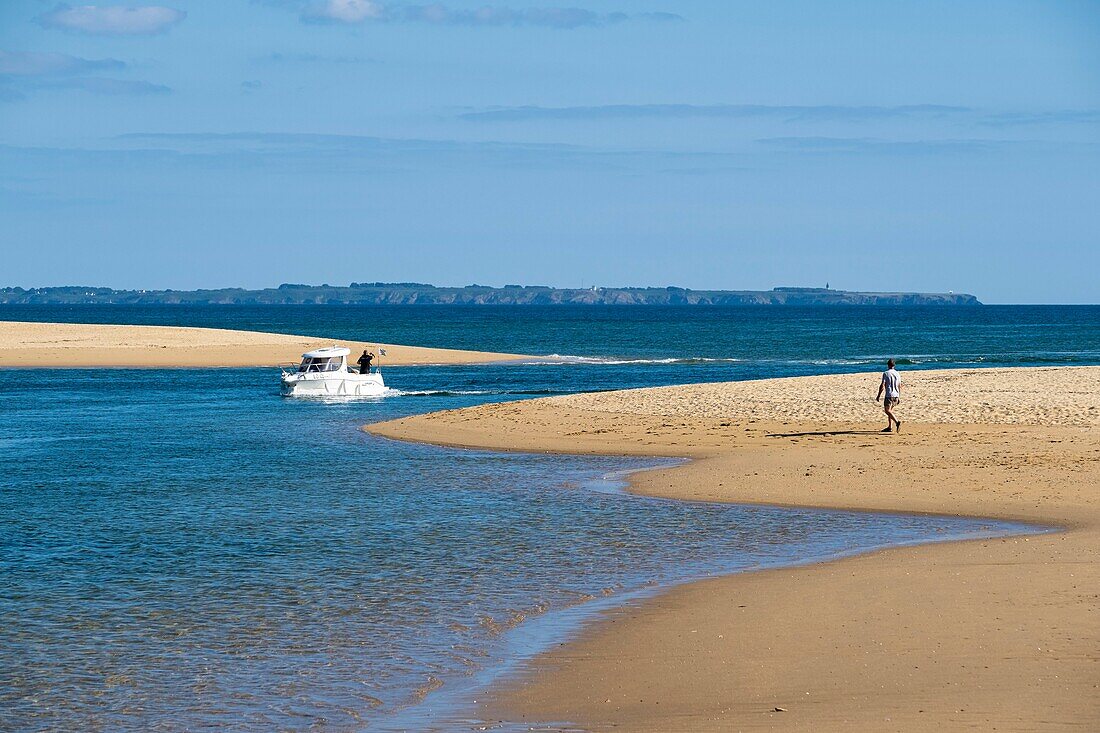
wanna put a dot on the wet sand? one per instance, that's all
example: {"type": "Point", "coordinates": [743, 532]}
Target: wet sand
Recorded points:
{"type": "Point", "coordinates": [25, 344]}
{"type": "Point", "coordinates": [993, 634]}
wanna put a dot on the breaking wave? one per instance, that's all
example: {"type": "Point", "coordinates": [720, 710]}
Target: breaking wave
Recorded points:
{"type": "Point", "coordinates": [551, 359]}
{"type": "Point", "coordinates": [1008, 359]}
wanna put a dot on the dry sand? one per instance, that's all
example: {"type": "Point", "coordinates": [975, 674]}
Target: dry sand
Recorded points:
{"type": "Point", "coordinates": [982, 635]}
{"type": "Point", "coordinates": [87, 345]}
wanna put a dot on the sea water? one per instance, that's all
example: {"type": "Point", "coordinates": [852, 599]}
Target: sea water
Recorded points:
{"type": "Point", "coordinates": [681, 342]}
{"type": "Point", "coordinates": [184, 549]}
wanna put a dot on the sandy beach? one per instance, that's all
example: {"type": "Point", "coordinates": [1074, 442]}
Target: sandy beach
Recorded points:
{"type": "Point", "coordinates": [24, 344]}
{"type": "Point", "coordinates": [997, 634]}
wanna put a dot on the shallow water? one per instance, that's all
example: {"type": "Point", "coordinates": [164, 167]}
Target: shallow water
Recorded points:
{"type": "Point", "coordinates": [182, 549]}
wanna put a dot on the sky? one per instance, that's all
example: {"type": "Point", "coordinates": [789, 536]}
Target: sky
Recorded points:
{"type": "Point", "coordinates": [722, 144]}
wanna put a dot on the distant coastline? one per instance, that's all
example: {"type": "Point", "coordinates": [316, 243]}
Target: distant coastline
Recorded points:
{"type": "Point", "coordinates": [378, 293]}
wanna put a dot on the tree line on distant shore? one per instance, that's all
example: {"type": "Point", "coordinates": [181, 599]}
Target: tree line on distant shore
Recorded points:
{"type": "Point", "coordinates": [378, 293]}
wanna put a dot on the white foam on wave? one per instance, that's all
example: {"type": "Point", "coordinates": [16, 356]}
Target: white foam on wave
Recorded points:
{"type": "Point", "coordinates": [552, 359]}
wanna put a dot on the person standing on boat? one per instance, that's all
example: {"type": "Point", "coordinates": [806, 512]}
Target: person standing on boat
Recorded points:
{"type": "Point", "coordinates": [364, 362]}
{"type": "Point", "coordinates": [891, 385]}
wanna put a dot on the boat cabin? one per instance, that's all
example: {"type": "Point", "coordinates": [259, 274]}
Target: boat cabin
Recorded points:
{"type": "Point", "coordinates": [329, 359]}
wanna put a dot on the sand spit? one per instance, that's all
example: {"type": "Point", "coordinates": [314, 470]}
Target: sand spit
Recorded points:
{"type": "Point", "coordinates": [996, 634]}
{"type": "Point", "coordinates": [1015, 396]}
{"type": "Point", "coordinates": [25, 344]}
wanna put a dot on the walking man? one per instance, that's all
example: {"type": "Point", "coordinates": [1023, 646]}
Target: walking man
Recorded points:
{"type": "Point", "coordinates": [891, 385]}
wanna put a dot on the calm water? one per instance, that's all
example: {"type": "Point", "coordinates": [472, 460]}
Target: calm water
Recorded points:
{"type": "Point", "coordinates": [711, 342]}
{"type": "Point", "coordinates": [182, 549]}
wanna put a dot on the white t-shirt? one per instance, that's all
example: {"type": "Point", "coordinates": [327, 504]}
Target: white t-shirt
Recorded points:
{"type": "Point", "coordinates": [891, 380]}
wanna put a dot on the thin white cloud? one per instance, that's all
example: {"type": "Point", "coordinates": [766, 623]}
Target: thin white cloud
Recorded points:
{"type": "Point", "coordinates": [8, 92]}
{"type": "Point", "coordinates": [788, 113]}
{"type": "Point", "coordinates": [28, 63]}
{"type": "Point", "coordinates": [108, 87]}
{"type": "Point", "coordinates": [112, 20]}
{"type": "Point", "coordinates": [286, 57]}
{"type": "Point", "coordinates": [23, 73]}
{"type": "Point", "coordinates": [1050, 117]}
{"type": "Point", "coordinates": [361, 11]}
{"type": "Point", "coordinates": [867, 145]}
{"type": "Point", "coordinates": [347, 11]}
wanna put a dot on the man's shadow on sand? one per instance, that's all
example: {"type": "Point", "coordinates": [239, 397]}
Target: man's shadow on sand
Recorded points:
{"type": "Point", "coordinates": [824, 433]}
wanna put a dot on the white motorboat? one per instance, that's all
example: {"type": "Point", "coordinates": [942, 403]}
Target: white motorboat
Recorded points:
{"type": "Point", "coordinates": [325, 373]}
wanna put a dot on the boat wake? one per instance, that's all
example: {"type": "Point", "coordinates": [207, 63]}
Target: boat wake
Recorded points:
{"type": "Point", "coordinates": [467, 392]}
{"type": "Point", "coordinates": [390, 393]}
{"type": "Point", "coordinates": [555, 359]}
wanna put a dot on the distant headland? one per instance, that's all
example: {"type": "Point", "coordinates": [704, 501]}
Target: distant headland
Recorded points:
{"type": "Point", "coordinates": [378, 293]}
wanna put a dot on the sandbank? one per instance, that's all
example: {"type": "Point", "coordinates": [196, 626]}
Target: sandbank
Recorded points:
{"type": "Point", "coordinates": [1000, 634]}
{"type": "Point", "coordinates": [25, 344]}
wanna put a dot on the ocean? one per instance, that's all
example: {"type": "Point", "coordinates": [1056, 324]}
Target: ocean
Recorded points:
{"type": "Point", "coordinates": [745, 340]}
{"type": "Point", "coordinates": [185, 548]}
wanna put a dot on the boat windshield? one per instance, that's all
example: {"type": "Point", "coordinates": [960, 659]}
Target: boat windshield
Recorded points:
{"type": "Point", "coordinates": [330, 364]}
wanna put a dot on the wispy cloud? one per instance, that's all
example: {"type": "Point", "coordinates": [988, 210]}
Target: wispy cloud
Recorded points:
{"type": "Point", "coordinates": [109, 87]}
{"type": "Point", "coordinates": [348, 148]}
{"type": "Point", "coordinates": [361, 11]}
{"type": "Point", "coordinates": [358, 152]}
{"type": "Point", "coordinates": [344, 11]}
{"type": "Point", "coordinates": [1051, 117]}
{"type": "Point", "coordinates": [9, 92]}
{"type": "Point", "coordinates": [280, 57]}
{"type": "Point", "coordinates": [112, 20]}
{"type": "Point", "coordinates": [788, 113]}
{"type": "Point", "coordinates": [949, 117]}
{"type": "Point", "coordinates": [25, 63]}
{"type": "Point", "coordinates": [23, 72]}
{"type": "Point", "coordinates": [875, 145]}
{"type": "Point", "coordinates": [206, 142]}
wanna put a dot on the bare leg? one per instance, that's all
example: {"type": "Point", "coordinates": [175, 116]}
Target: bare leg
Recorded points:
{"type": "Point", "coordinates": [890, 419]}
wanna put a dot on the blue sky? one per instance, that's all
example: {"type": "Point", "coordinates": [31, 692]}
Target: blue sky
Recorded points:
{"type": "Point", "coordinates": [874, 145]}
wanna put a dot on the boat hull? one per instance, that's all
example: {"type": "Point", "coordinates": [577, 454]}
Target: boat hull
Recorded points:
{"type": "Point", "coordinates": [333, 385]}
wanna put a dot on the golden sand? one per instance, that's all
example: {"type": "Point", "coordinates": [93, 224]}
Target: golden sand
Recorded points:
{"type": "Point", "coordinates": [1027, 396]}
{"type": "Point", "coordinates": [982, 635]}
{"type": "Point", "coordinates": [95, 345]}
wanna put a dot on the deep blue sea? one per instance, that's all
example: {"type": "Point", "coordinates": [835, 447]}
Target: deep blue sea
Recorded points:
{"type": "Point", "coordinates": [186, 549]}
